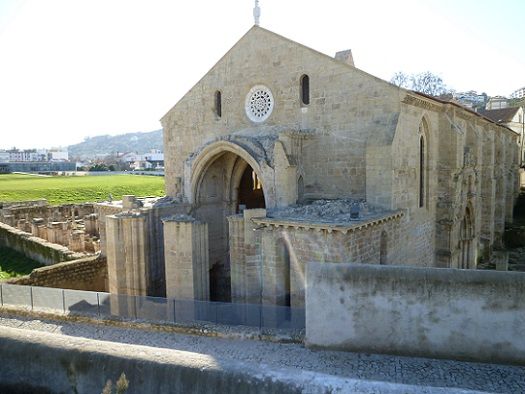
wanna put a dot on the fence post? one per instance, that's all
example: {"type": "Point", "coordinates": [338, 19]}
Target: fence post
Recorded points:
{"type": "Point", "coordinates": [64, 301]}
{"type": "Point", "coordinates": [31, 293]}
{"type": "Point", "coordinates": [2, 294]}
{"type": "Point", "coordinates": [260, 317]}
{"type": "Point", "coordinates": [98, 305]}
{"type": "Point", "coordinates": [172, 300]}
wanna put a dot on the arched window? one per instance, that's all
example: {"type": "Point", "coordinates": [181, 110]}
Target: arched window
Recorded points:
{"type": "Point", "coordinates": [383, 247]}
{"type": "Point", "coordinates": [218, 103]}
{"type": "Point", "coordinates": [305, 89]}
{"type": "Point", "coordinates": [421, 171]}
{"type": "Point", "coordinates": [423, 165]}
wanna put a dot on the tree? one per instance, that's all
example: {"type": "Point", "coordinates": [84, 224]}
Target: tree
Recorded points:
{"type": "Point", "coordinates": [517, 102]}
{"type": "Point", "coordinates": [401, 79]}
{"type": "Point", "coordinates": [425, 82]}
{"type": "Point", "coordinates": [428, 83]}
{"type": "Point", "coordinates": [99, 167]}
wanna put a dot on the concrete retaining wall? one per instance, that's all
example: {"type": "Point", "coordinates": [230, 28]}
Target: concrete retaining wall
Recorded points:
{"type": "Point", "coordinates": [35, 248]}
{"type": "Point", "coordinates": [449, 313]}
{"type": "Point", "coordinates": [48, 363]}
{"type": "Point", "coordinates": [90, 273]}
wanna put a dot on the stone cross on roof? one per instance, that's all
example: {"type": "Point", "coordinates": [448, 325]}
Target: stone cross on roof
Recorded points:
{"type": "Point", "coordinates": [256, 13]}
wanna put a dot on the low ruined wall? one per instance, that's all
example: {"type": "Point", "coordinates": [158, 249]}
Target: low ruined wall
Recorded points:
{"type": "Point", "coordinates": [89, 273]}
{"type": "Point", "coordinates": [10, 213]}
{"type": "Point", "coordinates": [35, 248]}
{"type": "Point", "coordinates": [460, 314]}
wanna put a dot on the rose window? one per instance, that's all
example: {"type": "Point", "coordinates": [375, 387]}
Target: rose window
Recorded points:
{"type": "Point", "coordinates": [259, 103]}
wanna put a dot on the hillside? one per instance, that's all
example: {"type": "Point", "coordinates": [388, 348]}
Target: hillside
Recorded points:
{"type": "Point", "coordinates": [140, 142]}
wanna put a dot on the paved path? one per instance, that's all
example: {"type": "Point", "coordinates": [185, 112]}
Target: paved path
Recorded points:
{"type": "Point", "coordinates": [395, 369]}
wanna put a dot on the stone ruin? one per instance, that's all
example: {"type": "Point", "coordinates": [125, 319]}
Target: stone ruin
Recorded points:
{"type": "Point", "coordinates": [74, 226]}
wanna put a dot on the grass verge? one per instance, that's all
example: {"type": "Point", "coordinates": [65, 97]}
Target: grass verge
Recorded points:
{"type": "Point", "coordinates": [77, 189]}
{"type": "Point", "coordinates": [13, 264]}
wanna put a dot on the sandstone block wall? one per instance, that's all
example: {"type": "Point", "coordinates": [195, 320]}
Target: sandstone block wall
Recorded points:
{"type": "Point", "coordinates": [35, 248]}
{"type": "Point", "coordinates": [102, 211]}
{"type": "Point", "coordinates": [72, 225]}
{"type": "Point", "coordinates": [89, 273]}
{"type": "Point", "coordinates": [127, 251]}
{"type": "Point", "coordinates": [186, 259]}
{"type": "Point", "coordinates": [346, 106]}
{"type": "Point", "coordinates": [429, 312]}
{"type": "Point", "coordinates": [132, 238]}
{"type": "Point", "coordinates": [269, 258]}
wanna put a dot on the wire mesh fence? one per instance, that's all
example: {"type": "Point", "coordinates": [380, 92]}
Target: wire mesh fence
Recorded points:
{"type": "Point", "coordinates": [151, 309]}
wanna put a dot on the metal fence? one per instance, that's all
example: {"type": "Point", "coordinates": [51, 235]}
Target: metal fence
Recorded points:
{"type": "Point", "coordinates": [151, 309]}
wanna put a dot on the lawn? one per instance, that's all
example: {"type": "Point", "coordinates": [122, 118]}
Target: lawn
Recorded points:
{"type": "Point", "coordinates": [14, 264]}
{"type": "Point", "coordinates": [77, 189]}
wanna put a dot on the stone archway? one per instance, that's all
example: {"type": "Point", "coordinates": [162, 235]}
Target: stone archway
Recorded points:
{"type": "Point", "coordinates": [226, 185]}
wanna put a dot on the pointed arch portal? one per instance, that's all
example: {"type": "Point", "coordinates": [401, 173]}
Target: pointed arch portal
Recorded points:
{"type": "Point", "coordinates": [226, 185]}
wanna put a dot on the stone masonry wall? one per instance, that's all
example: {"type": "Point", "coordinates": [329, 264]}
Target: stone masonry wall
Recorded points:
{"type": "Point", "coordinates": [346, 106]}
{"type": "Point", "coordinates": [262, 249]}
{"type": "Point", "coordinates": [35, 248]}
{"type": "Point", "coordinates": [72, 225]}
{"type": "Point", "coordinates": [89, 273]}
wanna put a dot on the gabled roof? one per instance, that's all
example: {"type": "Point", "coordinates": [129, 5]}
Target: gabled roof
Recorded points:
{"type": "Point", "coordinates": [260, 30]}
{"type": "Point", "coordinates": [502, 115]}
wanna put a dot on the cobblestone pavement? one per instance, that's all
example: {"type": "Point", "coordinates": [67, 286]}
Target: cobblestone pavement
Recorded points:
{"type": "Point", "coordinates": [395, 369]}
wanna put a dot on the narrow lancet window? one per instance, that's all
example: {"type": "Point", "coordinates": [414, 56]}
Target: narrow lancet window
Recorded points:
{"type": "Point", "coordinates": [305, 89]}
{"type": "Point", "coordinates": [422, 171]}
{"type": "Point", "coordinates": [218, 103]}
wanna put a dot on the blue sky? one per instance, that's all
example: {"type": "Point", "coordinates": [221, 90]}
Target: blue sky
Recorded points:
{"type": "Point", "coordinates": [71, 69]}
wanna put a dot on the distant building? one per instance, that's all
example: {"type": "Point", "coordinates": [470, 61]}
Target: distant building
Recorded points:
{"type": "Point", "coordinates": [32, 155]}
{"type": "Point", "coordinates": [152, 160]}
{"type": "Point", "coordinates": [35, 160]}
{"type": "Point", "coordinates": [38, 166]}
{"type": "Point", "coordinates": [58, 155]}
{"type": "Point", "coordinates": [470, 99]}
{"type": "Point", "coordinates": [513, 118]}
{"type": "Point", "coordinates": [517, 94]}
{"type": "Point", "coordinates": [497, 102]}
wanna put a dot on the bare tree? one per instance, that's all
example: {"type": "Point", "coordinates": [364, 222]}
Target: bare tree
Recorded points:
{"type": "Point", "coordinates": [425, 82]}
{"type": "Point", "coordinates": [428, 83]}
{"type": "Point", "coordinates": [402, 80]}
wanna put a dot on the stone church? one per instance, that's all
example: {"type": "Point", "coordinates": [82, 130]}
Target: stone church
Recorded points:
{"type": "Point", "coordinates": [281, 155]}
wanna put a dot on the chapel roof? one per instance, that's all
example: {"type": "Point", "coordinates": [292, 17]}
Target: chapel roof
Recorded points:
{"type": "Point", "coordinates": [502, 115]}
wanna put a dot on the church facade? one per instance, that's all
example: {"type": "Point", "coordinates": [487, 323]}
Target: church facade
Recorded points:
{"type": "Point", "coordinates": [281, 155]}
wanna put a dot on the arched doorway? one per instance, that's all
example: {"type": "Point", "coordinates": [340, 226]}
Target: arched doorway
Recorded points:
{"type": "Point", "coordinates": [251, 193]}
{"type": "Point", "coordinates": [226, 185]}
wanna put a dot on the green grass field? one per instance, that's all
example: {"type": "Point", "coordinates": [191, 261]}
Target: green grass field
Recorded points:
{"type": "Point", "coordinates": [77, 189]}
{"type": "Point", "coordinates": [13, 264]}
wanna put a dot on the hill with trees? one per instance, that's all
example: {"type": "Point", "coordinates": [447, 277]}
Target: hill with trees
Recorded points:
{"type": "Point", "coordinates": [141, 142]}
